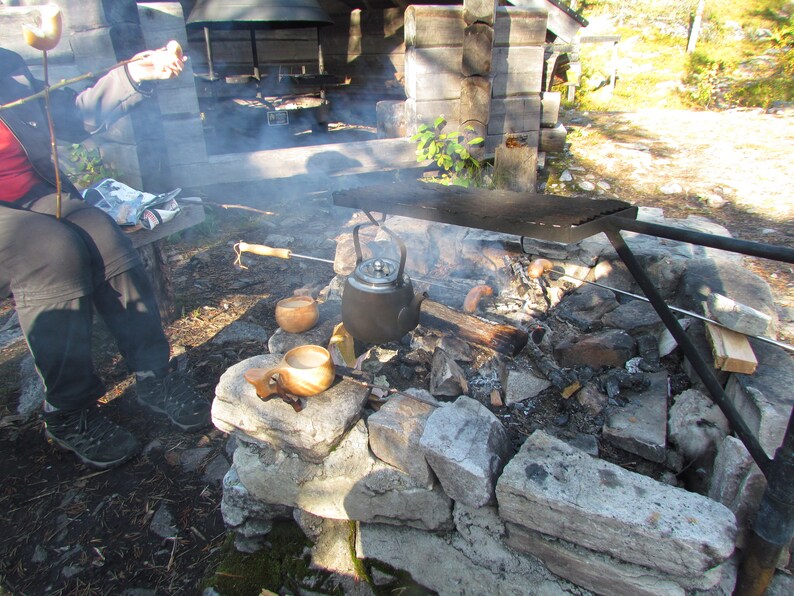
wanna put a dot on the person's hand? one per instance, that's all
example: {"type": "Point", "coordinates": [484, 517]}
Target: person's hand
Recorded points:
{"type": "Point", "coordinates": [157, 65]}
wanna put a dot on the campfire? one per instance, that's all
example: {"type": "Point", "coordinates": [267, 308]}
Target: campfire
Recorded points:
{"type": "Point", "coordinates": [538, 400]}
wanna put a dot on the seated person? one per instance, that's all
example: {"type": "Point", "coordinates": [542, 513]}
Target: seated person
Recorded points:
{"type": "Point", "coordinates": [60, 270]}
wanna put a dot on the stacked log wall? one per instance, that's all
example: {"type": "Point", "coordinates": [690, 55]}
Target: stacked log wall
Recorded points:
{"type": "Point", "coordinates": [434, 37]}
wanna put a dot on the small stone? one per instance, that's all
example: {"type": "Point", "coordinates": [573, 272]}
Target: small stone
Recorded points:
{"type": "Point", "coordinates": [586, 185]}
{"type": "Point", "coordinates": [163, 523]}
{"type": "Point", "coordinates": [671, 188]}
{"type": "Point", "coordinates": [191, 459]}
{"type": "Point", "coordinates": [566, 176]}
{"type": "Point", "coordinates": [603, 185]}
{"type": "Point", "coordinates": [715, 201]}
{"type": "Point", "coordinates": [39, 554]}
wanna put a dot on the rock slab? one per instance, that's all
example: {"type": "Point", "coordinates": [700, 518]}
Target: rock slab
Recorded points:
{"type": "Point", "coordinates": [555, 489]}
{"type": "Point", "coordinates": [311, 433]}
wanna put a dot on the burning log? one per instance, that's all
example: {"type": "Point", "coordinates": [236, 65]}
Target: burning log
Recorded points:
{"type": "Point", "coordinates": [504, 339]}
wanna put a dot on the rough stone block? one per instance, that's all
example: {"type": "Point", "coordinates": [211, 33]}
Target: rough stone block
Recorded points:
{"type": "Point", "coordinates": [473, 560]}
{"type": "Point", "coordinates": [640, 427]}
{"type": "Point", "coordinates": [349, 484]}
{"type": "Point", "coordinates": [764, 399]}
{"type": "Point", "coordinates": [466, 446]}
{"type": "Point", "coordinates": [555, 489]}
{"type": "Point", "coordinates": [602, 573]}
{"type": "Point", "coordinates": [696, 426]}
{"type": "Point", "coordinates": [737, 316]}
{"type": "Point", "coordinates": [706, 276]}
{"type": "Point", "coordinates": [738, 483]}
{"type": "Point", "coordinates": [311, 433]}
{"type": "Point", "coordinates": [394, 434]}
{"type": "Point", "coordinates": [635, 317]}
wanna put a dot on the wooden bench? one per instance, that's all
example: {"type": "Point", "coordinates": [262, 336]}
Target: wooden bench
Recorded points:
{"type": "Point", "coordinates": [150, 246]}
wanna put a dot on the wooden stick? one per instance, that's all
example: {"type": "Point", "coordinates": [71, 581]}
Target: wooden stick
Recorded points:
{"type": "Point", "coordinates": [64, 83]}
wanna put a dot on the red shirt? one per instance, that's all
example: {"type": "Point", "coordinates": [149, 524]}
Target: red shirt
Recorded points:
{"type": "Point", "coordinates": [16, 172]}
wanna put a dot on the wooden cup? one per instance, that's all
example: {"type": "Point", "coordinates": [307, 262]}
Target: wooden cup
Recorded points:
{"type": "Point", "coordinates": [297, 314]}
{"type": "Point", "coordinates": [303, 371]}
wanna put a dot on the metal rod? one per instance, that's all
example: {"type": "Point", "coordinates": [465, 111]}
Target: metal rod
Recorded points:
{"type": "Point", "coordinates": [689, 313]}
{"type": "Point", "coordinates": [297, 256]}
{"type": "Point", "coordinates": [209, 52]}
{"type": "Point", "coordinates": [689, 349]}
{"type": "Point", "coordinates": [255, 54]}
{"type": "Point", "coordinates": [774, 522]}
{"type": "Point", "coordinates": [745, 247]}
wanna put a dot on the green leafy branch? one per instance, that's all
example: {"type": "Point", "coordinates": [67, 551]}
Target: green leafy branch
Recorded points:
{"type": "Point", "coordinates": [450, 152]}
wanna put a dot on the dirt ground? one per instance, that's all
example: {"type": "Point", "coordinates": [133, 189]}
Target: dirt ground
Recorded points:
{"type": "Point", "coordinates": [72, 530]}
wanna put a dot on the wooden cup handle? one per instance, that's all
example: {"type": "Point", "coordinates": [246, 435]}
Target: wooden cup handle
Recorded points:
{"type": "Point", "coordinates": [262, 380]}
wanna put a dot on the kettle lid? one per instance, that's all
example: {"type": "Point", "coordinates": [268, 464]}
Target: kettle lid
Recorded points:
{"type": "Point", "coordinates": [378, 271]}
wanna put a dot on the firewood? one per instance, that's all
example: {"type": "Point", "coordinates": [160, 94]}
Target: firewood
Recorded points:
{"type": "Point", "coordinates": [504, 339]}
{"type": "Point", "coordinates": [732, 350]}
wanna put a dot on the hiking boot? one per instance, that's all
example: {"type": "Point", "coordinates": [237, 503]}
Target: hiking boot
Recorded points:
{"type": "Point", "coordinates": [97, 441]}
{"type": "Point", "coordinates": [174, 396]}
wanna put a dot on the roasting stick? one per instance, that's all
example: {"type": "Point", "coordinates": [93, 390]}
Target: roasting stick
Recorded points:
{"type": "Point", "coordinates": [285, 253]}
{"type": "Point", "coordinates": [269, 251]}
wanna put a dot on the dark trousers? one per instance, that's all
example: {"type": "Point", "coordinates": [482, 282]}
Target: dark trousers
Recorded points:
{"type": "Point", "coordinates": [59, 271]}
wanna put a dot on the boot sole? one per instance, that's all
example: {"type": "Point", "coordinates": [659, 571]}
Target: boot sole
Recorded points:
{"type": "Point", "coordinates": [102, 465]}
{"type": "Point", "coordinates": [184, 427]}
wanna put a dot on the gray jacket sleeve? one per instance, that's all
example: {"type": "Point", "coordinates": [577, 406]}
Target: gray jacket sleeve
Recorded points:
{"type": "Point", "coordinates": [110, 98]}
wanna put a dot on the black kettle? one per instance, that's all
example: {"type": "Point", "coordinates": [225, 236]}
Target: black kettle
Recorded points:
{"type": "Point", "coordinates": [378, 300]}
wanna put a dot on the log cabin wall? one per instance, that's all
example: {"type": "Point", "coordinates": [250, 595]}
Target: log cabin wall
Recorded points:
{"type": "Point", "coordinates": [434, 50]}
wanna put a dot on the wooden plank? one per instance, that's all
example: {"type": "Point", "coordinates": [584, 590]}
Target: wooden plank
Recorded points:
{"type": "Point", "coordinates": [515, 168]}
{"type": "Point", "coordinates": [517, 59]}
{"type": "Point", "coordinates": [334, 159]}
{"type": "Point", "coordinates": [515, 115]}
{"type": "Point", "coordinates": [519, 27]}
{"type": "Point", "coordinates": [354, 44]}
{"type": "Point", "coordinates": [483, 11]}
{"type": "Point", "coordinates": [444, 85]}
{"type": "Point", "coordinates": [434, 26]}
{"type": "Point", "coordinates": [732, 351]}
{"type": "Point", "coordinates": [425, 112]}
{"type": "Point", "coordinates": [185, 141]}
{"type": "Point", "coordinates": [504, 339]}
{"type": "Point", "coordinates": [423, 61]}
{"type": "Point", "coordinates": [475, 99]}
{"type": "Point", "coordinates": [511, 84]}
{"type": "Point", "coordinates": [189, 216]}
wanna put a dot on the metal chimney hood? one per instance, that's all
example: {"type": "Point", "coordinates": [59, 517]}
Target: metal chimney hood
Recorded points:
{"type": "Point", "coordinates": [257, 14]}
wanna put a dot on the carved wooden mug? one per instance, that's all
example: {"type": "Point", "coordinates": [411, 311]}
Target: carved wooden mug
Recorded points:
{"type": "Point", "coordinates": [303, 371]}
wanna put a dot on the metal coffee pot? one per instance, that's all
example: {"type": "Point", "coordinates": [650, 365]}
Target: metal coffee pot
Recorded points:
{"type": "Point", "coordinates": [378, 300]}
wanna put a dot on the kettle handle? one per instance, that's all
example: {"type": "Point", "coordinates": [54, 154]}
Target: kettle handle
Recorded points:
{"type": "Point", "coordinates": [357, 242]}
{"type": "Point", "coordinates": [394, 237]}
